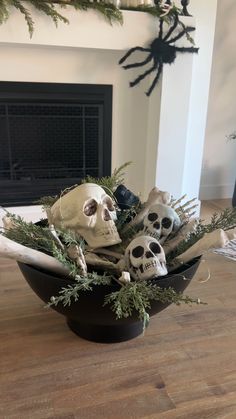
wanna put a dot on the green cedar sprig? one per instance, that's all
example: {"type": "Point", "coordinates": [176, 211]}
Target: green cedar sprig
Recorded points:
{"type": "Point", "coordinates": [30, 235]}
{"type": "Point", "coordinates": [224, 220]}
{"type": "Point", "coordinates": [109, 183]}
{"type": "Point", "coordinates": [109, 11]}
{"type": "Point", "coordinates": [72, 292]}
{"type": "Point", "coordinates": [136, 297]}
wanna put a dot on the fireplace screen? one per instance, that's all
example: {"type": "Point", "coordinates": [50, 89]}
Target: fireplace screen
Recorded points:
{"type": "Point", "coordinates": [47, 145]}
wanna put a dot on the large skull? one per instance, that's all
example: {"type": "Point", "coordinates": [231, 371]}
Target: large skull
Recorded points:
{"type": "Point", "coordinates": [160, 221]}
{"type": "Point", "coordinates": [89, 212]}
{"type": "Point", "coordinates": [145, 258]}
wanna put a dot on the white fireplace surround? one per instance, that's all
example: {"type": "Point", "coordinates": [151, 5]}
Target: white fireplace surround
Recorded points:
{"type": "Point", "coordinates": [154, 133]}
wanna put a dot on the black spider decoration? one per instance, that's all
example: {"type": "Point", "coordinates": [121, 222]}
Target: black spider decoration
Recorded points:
{"type": "Point", "coordinates": [160, 51]}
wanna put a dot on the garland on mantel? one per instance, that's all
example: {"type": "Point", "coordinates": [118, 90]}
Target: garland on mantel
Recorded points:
{"type": "Point", "coordinates": [108, 10]}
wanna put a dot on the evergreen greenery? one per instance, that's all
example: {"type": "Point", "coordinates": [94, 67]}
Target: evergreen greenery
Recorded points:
{"type": "Point", "coordinates": [225, 220]}
{"type": "Point", "coordinates": [133, 298]}
{"type": "Point", "coordinates": [72, 291]}
{"type": "Point", "coordinates": [30, 235]}
{"type": "Point", "coordinates": [109, 183]}
{"type": "Point", "coordinates": [110, 12]}
{"type": "Point", "coordinates": [137, 296]}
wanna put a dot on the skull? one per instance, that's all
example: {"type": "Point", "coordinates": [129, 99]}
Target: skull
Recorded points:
{"type": "Point", "coordinates": [145, 258]}
{"type": "Point", "coordinates": [160, 221]}
{"type": "Point", "coordinates": [89, 212]}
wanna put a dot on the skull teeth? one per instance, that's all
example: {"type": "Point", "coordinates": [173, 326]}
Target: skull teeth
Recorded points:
{"type": "Point", "coordinates": [150, 265]}
{"type": "Point", "coordinates": [107, 232]}
{"type": "Point", "coordinates": [152, 234]}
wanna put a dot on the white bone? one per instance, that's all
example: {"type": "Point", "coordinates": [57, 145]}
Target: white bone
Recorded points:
{"type": "Point", "coordinates": [125, 277]}
{"type": "Point", "coordinates": [216, 239]}
{"type": "Point", "coordinates": [94, 260]}
{"type": "Point", "coordinates": [106, 252]}
{"type": "Point", "coordinates": [181, 235]}
{"type": "Point", "coordinates": [8, 222]}
{"type": "Point", "coordinates": [75, 253]}
{"type": "Point", "coordinates": [13, 250]}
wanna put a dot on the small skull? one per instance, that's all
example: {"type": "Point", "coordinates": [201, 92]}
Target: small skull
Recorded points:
{"type": "Point", "coordinates": [160, 221]}
{"type": "Point", "coordinates": [88, 212]}
{"type": "Point", "coordinates": [145, 258]}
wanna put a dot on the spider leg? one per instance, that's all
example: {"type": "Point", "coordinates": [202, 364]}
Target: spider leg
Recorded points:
{"type": "Point", "coordinates": [139, 64]}
{"type": "Point", "coordinates": [172, 28]}
{"type": "Point", "coordinates": [131, 51]}
{"type": "Point", "coordinates": [180, 34]}
{"type": "Point", "coordinates": [142, 76]}
{"type": "Point", "coordinates": [161, 29]}
{"type": "Point", "coordinates": [159, 71]}
{"type": "Point", "coordinates": [189, 49]}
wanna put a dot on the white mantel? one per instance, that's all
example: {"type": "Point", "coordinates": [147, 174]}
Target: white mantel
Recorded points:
{"type": "Point", "coordinates": [152, 132]}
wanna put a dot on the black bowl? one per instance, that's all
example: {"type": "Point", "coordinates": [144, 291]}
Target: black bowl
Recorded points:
{"type": "Point", "coordinates": [87, 317]}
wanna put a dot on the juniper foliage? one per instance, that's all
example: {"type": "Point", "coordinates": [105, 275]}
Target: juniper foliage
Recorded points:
{"type": "Point", "coordinates": [224, 220]}
{"type": "Point", "coordinates": [136, 297]}
{"type": "Point", "coordinates": [72, 292]}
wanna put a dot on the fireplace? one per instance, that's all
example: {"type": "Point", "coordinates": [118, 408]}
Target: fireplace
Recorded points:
{"type": "Point", "coordinates": [52, 135]}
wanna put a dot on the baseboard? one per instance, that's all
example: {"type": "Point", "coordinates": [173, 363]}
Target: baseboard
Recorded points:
{"type": "Point", "coordinates": [216, 191]}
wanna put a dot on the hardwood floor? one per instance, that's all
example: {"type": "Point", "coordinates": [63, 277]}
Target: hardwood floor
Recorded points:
{"type": "Point", "coordinates": [183, 368]}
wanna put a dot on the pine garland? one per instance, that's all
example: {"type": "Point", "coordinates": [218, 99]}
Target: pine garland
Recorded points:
{"type": "Point", "coordinates": [110, 12]}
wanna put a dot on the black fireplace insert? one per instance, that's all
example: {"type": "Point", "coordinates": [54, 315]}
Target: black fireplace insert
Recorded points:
{"type": "Point", "coordinates": [52, 135]}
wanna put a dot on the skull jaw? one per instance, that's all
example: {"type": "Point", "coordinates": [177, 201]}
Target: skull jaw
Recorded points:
{"type": "Point", "coordinates": [101, 238]}
{"type": "Point", "coordinates": [149, 272]}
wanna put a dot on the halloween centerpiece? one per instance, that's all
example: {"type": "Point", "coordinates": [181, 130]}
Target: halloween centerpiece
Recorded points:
{"type": "Point", "coordinates": [108, 261]}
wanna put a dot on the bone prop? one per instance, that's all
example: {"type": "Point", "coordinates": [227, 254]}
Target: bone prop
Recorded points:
{"type": "Point", "coordinates": [106, 252]}
{"type": "Point", "coordinates": [181, 235]}
{"type": "Point", "coordinates": [154, 197]}
{"type": "Point", "coordinates": [216, 239]}
{"type": "Point", "coordinates": [185, 211]}
{"type": "Point", "coordinates": [94, 260]}
{"type": "Point", "coordinates": [13, 250]}
{"type": "Point", "coordinates": [75, 253]}
{"type": "Point", "coordinates": [52, 229]}
{"type": "Point", "coordinates": [125, 277]}
{"type": "Point", "coordinates": [8, 222]}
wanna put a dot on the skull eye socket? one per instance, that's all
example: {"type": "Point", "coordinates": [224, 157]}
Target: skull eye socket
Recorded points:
{"type": "Point", "coordinates": [109, 204]}
{"type": "Point", "coordinates": [90, 208]}
{"type": "Point", "coordinates": [153, 216]}
{"type": "Point", "coordinates": [155, 248]}
{"type": "Point", "coordinates": [166, 222]}
{"type": "Point", "coordinates": [137, 252]}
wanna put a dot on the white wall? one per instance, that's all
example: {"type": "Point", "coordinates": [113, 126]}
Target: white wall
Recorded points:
{"type": "Point", "coordinates": [182, 128]}
{"type": "Point", "coordinates": [219, 160]}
